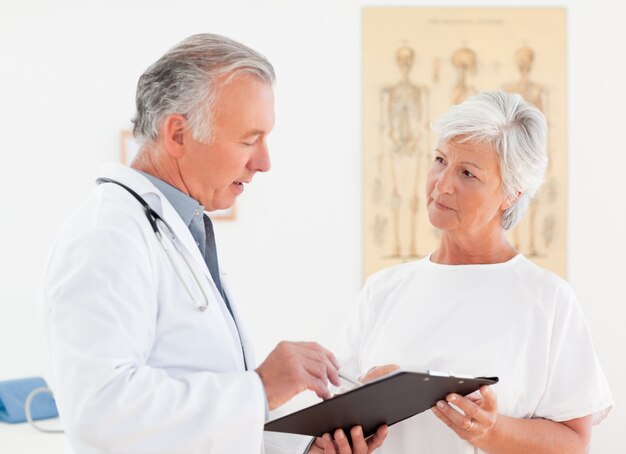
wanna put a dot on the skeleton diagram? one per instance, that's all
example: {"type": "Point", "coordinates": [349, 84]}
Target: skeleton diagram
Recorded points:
{"type": "Point", "coordinates": [464, 60]}
{"type": "Point", "coordinates": [403, 109]}
{"type": "Point", "coordinates": [537, 95]}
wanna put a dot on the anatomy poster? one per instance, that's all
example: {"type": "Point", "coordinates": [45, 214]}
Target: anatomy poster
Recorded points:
{"type": "Point", "coordinates": [417, 63]}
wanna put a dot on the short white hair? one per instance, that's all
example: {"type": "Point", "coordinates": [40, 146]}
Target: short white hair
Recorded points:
{"type": "Point", "coordinates": [517, 131]}
{"type": "Point", "coordinates": [183, 82]}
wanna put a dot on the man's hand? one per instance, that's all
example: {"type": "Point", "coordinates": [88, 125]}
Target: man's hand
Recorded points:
{"type": "Point", "coordinates": [340, 445]}
{"type": "Point", "coordinates": [293, 367]}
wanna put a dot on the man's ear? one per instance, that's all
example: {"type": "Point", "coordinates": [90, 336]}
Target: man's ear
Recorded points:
{"type": "Point", "coordinates": [173, 132]}
{"type": "Point", "coordinates": [506, 204]}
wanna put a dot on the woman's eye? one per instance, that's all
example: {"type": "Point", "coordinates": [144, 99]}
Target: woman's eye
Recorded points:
{"type": "Point", "coordinates": [469, 174]}
{"type": "Point", "coordinates": [439, 159]}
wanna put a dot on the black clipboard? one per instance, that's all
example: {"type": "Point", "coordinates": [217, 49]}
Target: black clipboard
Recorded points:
{"type": "Point", "coordinates": [388, 400]}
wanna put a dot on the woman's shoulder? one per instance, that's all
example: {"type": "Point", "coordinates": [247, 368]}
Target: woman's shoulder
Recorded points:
{"type": "Point", "coordinates": [391, 276]}
{"type": "Point", "coordinates": [531, 270]}
{"type": "Point", "coordinates": [538, 279]}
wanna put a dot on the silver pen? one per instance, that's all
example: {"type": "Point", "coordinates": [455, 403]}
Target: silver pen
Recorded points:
{"type": "Point", "coordinates": [349, 379]}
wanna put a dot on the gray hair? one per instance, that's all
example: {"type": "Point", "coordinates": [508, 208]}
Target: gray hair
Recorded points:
{"type": "Point", "coordinates": [517, 131]}
{"type": "Point", "coordinates": [183, 82]}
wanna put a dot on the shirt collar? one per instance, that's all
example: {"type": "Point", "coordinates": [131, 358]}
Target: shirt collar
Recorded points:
{"type": "Point", "coordinates": [185, 205]}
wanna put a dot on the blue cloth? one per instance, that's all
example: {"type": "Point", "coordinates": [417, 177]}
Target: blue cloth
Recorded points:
{"type": "Point", "coordinates": [13, 394]}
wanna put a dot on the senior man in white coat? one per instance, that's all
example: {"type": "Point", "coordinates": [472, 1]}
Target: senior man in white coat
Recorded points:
{"type": "Point", "coordinates": [149, 354]}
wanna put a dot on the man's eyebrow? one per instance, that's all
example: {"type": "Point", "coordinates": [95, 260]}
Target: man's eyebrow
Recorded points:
{"type": "Point", "coordinates": [254, 132]}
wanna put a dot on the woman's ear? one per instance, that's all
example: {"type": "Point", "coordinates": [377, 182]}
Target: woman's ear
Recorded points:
{"type": "Point", "coordinates": [507, 203]}
{"type": "Point", "coordinates": [173, 131]}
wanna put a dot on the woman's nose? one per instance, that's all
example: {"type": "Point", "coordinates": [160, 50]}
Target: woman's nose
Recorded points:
{"type": "Point", "coordinates": [444, 184]}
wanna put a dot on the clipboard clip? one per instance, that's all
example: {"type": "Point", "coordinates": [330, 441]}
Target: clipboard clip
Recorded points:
{"type": "Point", "coordinates": [434, 373]}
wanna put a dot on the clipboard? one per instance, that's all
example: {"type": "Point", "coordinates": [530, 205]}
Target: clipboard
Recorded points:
{"type": "Point", "coordinates": [388, 400]}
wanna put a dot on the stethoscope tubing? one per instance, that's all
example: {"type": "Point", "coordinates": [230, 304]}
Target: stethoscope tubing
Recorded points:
{"type": "Point", "coordinates": [154, 218]}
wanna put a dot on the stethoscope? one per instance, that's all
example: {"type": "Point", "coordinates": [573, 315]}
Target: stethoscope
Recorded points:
{"type": "Point", "coordinates": [154, 218]}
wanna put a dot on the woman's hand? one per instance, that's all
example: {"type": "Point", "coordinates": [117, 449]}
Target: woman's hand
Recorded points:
{"type": "Point", "coordinates": [379, 371]}
{"type": "Point", "coordinates": [340, 444]}
{"type": "Point", "coordinates": [480, 415]}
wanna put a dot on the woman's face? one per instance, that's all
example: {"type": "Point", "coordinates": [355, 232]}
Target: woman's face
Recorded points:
{"type": "Point", "coordinates": [464, 188]}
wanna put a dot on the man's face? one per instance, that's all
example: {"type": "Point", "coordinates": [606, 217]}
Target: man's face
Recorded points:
{"type": "Point", "coordinates": [215, 173]}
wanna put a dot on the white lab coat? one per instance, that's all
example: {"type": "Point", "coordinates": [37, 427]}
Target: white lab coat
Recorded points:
{"type": "Point", "coordinates": [136, 367]}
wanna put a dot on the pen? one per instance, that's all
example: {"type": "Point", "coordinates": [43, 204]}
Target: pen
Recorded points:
{"type": "Point", "coordinates": [349, 379]}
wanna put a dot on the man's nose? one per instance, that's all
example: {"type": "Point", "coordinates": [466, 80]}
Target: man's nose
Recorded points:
{"type": "Point", "coordinates": [260, 161]}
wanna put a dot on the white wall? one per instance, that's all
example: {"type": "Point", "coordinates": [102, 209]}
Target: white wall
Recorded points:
{"type": "Point", "coordinates": [67, 76]}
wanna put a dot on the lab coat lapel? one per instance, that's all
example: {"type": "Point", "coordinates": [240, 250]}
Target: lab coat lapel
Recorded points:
{"type": "Point", "coordinates": [240, 327]}
{"type": "Point", "coordinates": [184, 235]}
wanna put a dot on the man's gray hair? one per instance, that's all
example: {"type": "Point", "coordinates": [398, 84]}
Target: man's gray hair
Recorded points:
{"type": "Point", "coordinates": [517, 131]}
{"type": "Point", "coordinates": [183, 81]}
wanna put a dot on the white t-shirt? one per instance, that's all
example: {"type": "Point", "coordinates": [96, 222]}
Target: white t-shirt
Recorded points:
{"type": "Point", "coordinates": [513, 320]}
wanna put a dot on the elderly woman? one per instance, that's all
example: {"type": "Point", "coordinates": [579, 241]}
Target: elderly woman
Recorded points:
{"type": "Point", "coordinates": [476, 306]}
